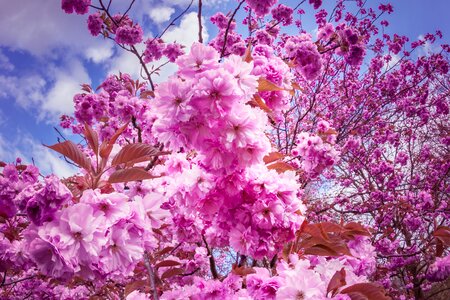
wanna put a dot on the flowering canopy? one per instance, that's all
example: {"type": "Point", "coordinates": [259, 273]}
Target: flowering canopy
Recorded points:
{"type": "Point", "coordinates": [269, 165]}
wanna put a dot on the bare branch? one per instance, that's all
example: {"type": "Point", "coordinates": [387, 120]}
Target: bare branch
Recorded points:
{"type": "Point", "coordinates": [199, 17]}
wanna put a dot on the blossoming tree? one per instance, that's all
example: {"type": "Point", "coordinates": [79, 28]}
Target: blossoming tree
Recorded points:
{"type": "Point", "coordinates": [270, 165]}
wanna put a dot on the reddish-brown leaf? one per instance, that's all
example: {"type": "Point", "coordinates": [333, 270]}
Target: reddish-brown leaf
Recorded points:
{"type": "Point", "coordinates": [248, 54]}
{"type": "Point", "coordinates": [319, 246]}
{"type": "Point", "coordinates": [157, 231]}
{"type": "Point", "coordinates": [86, 88]}
{"type": "Point", "coordinates": [331, 227]}
{"type": "Point", "coordinates": [172, 272]}
{"type": "Point", "coordinates": [132, 152]}
{"type": "Point", "coordinates": [265, 85]}
{"type": "Point", "coordinates": [164, 251]}
{"type": "Point", "coordinates": [280, 167]}
{"type": "Point", "coordinates": [321, 250]}
{"type": "Point", "coordinates": [147, 94]}
{"type": "Point", "coordinates": [336, 282]}
{"type": "Point", "coordinates": [72, 152]}
{"type": "Point", "coordinates": [21, 167]}
{"type": "Point", "coordinates": [442, 233]}
{"type": "Point", "coordinates": [257, 101]}
{"type": "Point", "coordinates": [272, 156]}
{"type": "Point", "coordinates": [242, 271]}
{"type": "Point", "coordinates": [369, 291]}
{"type": "Point", "coordinates": [439, 248]}
{"type": "Point", "coordinates": [106, 146]}
{"type": "Point", "coordinates": [315, 231]}
{"type": "Point", "coordinates": [91, 137]}
{"type": "Point", "coordinates": [145, 158]}
{"type": "Point", "coordinates": [352, 229]}
{"type": "Point", "coordinates": [167, 263]}
{"type": "Point", "coordinates": [134, 285]}
{"type": "Point", "coordinates": [295, 86]}
{"type": "Point", "coordinates": [131, 174]}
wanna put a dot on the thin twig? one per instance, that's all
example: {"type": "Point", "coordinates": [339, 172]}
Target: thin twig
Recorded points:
{"type": "Point", "coordinates": [151, 274]}
{"type": "Point", "coordinates": [128, 9]}
{"type": "Point", "coordinates": [132, 49]}
{"type": "Point", "coordinates": [17, 281]}
{"type": "Point", "coordinates": [222, 53]}
{"type": "Point", "coordinates": [135, 125]}
{"type": "Point", "coordinates": [176, 18]}
{"type": "Point", "coordinates": [60, 134]}
{"type": "Point", "coordinates": [151, 164]}
{"type": "Point", "coordinates": [199, 17]}
{"type": "Point", "coordinates": [212, 262]}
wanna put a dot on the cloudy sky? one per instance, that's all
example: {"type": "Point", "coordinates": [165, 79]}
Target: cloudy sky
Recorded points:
{"type": "Point", "coordinates": [45, 55]}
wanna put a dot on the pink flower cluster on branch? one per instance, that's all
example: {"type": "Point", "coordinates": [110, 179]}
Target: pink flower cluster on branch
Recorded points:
{"type": "Point", "coordinates": [244, 174]}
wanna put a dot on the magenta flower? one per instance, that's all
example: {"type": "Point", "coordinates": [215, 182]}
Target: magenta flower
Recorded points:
{"type": "Point", "coordinates": [81, 7]}
{"type": "Point", "coordinates": [95, 23]}
{"type": "Point", "coordinates": [216, 92]}
{"type": "Point", "coordinates": [129, 35]}
{"type": "Point", "coordinates": [81, 232]}
{"type": "Point", "coordinates": [200, 58]}
{"type": "Point", "coordinates": [47, 257]}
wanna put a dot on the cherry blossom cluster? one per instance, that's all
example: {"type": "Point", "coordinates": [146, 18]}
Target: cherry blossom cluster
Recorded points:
{"type": "Point", "coordinates": [269, 66]}
{"type": "Point", "coordinates": [264, 149]}
{"type": "Point", "coordinates": [81, 7]}
{"type": "Point", "coordinates": [101, 234]}
{"type": "Point", "coordinates": [18, 186]}
{"type": "Point", "coordinates": [304, 55]}
{"type": "Point", "coordinates": [227, 41]}
{"type": "Point", "coordinates": [119, 99]}
{"type": "Point", "coordinates": [316, 151]}
{"type": "Point", "coordinates": [256, 211]}
{"type": "Point", "coordinates": [204, 108]}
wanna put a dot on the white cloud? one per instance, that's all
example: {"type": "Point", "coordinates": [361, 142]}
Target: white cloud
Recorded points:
{"type": "Point", "coordinates": [100, 53]}
{"type": "Point", "coordinates": [187, 32]}
{"type": "Point", "coordinates": [59, 99]}
{"type": "Point", "coordinates": [29, 150]}
{"type": "Point", "coordinates": [40, 26]}
{"type": "Point", "coordinates": [52, 97]}
{"type": "Point", "coordinates": [126, 62]}
{"type": "Point", "coordinates": [161, 14]}
{"type": "Point", "coordinates": [27, 91]}
{"type": "Point", "coordinates": [5, 64]}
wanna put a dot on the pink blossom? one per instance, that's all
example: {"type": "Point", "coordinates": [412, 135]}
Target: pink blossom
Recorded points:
{"type": "Point", "coordinates": [113, 206]}
{"type": "Point", "coordinates": [242, 70]}
{"type": "Point", "coordinates": [261, 8]}
{"type": "Point", "coordinates": [304, 55]}
{"type": "Point", "coordinates": [216, 92]}
{"type": "Point", "coordinates": [173, 51]}
{"type": "Point", "coordinates": [129, 35]}
{"type": "Point", "coordinates": [173, 97]}
{"type": "Point", "coordinates": [199, 59]}
{"type": "Point", "coordinates": [81, 7]}
{"type": "Point", "coordinates": [81, 232]}
{"type": "Point", "coordinates": [136, 295]}
{"type": "Point", "coordinates": [282, 14]}
{"type": "Point", "coordinates": [153, 49]}
{"type": "Point", "coordinates": [123, 249]}
{"type": "Point", "coordinates": [95, 23]}
{"type": "Point", "coordinates": [46, 256]}
{"type": "Point", "coordinates": [301, 282]}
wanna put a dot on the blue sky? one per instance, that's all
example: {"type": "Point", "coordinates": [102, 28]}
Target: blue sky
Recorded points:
{"type": "Point", "coordinates": [45, 55]}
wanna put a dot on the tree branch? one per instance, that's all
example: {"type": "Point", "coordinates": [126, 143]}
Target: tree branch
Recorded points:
{"type": "Point", "coordinates": [151, 274]}
{"type": "Point", "coordinates": [212, 262]}
{"type": "Point", "coordinates": [222, 53]}
{"type": "Point", "coordinates": [199, 17]}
